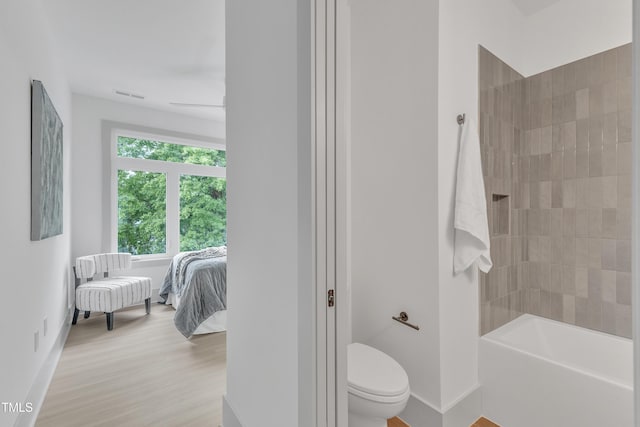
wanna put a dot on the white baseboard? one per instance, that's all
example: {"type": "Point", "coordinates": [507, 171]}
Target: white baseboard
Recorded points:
{"type": "Point", "coordinates": [420, 413]}
{"type": "Point", "coordinates": [229, 418]}
{"type": "Point", "coordinates": [40, 385]}
{"type": "Point", "coordinates": [462, 413]}
{"type": "Point", "coordinates": [466, 410]}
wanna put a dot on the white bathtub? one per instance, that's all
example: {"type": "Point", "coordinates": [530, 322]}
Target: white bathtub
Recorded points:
{"type": "Point", "coordinates": [539, 372]}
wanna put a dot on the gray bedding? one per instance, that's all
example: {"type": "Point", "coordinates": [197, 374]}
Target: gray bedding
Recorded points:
{"type": "Point", "coordinates": [201, 286]}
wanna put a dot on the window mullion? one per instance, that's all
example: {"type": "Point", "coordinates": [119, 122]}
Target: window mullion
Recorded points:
{"type": "Point", "coordinates": [203, 196]}
{"type": "Point", "coordinates": [173, 212]}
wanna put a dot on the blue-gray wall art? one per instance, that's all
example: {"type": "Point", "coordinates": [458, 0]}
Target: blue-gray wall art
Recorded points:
{"type": "Point", "coordinates": [46, 165]}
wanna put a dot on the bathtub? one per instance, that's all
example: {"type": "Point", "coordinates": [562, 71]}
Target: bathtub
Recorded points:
{"type": "Point", "coordinates": [538, 372]}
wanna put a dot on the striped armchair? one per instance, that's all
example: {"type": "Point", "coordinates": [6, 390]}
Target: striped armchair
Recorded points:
{"type": "Point", "coordinates": [104, 292]}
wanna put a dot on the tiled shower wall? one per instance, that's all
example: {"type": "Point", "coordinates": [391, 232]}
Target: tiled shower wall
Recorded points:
{"type": "Point", "coordinates": [567, 252]}
{"type": "Point", "coordinates": [502, 290]}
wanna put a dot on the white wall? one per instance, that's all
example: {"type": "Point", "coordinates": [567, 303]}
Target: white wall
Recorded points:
{"type": "Point", "coordinates": [35, 275]}
{"type": "Point", "coordinates": [90, 232]}
{"type": "Point", "coordinates": [564, 32]}
{"type": "Point", "coordinates": [573, 29]}
{"type": "Point", "coordinates": [269, 348]}
{"type": "Point", "coordinates": [394, 184]}
{"type": "Point", "coordinates": [464, 24]}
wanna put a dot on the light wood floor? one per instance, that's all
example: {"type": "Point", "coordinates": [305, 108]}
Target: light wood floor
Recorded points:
{"type": "Point", "coordinates": [142, 373]}
{"type": "Point", "coordinates": [396, 422]}
{"type": "Point", "coordinates": [483, 422]}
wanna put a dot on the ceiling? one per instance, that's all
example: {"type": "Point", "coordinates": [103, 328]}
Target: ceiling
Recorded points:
{"type": "Point", "coordinates": [165, 50]}
{"type": "Point", "coordinates": [530, 7]}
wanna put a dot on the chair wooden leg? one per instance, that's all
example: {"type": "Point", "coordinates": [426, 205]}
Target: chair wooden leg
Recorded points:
{"type": "Point", "coordinates": [87, 314]}
{"type": "Point", "coordinates": [75, 316]}
{"type": "Point", "coordinates": [110, 321]}
{"type": "Point", "coordinates": [147, 305]}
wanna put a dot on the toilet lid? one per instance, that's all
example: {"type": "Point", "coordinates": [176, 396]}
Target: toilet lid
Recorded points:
{"type": "Point", "coordinates": [374, 372]}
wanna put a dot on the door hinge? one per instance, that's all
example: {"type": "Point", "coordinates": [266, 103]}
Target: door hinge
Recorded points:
{"type": "Point", "coordinates": [330, 298]}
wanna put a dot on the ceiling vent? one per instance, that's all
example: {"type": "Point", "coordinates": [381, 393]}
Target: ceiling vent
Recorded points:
{"type": "Point", "coordinates": [186, 104]}
{"type": "Point", "coordinates": [128, 94]}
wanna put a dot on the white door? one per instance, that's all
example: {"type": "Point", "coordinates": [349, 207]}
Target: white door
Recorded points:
{"type": "Point", "coordinates": [331, 104]}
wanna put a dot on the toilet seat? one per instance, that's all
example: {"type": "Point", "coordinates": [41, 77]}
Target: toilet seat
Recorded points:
{"type": "Point", "coordinates": [375, 376]}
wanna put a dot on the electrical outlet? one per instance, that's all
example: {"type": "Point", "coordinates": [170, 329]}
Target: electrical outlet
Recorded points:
{"type": "Point", "coordinates": [36, 341]}
{"type": "Point", "coordinates": [45, 326]}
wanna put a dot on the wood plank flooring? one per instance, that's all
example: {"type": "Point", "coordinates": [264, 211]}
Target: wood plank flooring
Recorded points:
{"type": "Point", "coordinates": [396, 422]}
{"type": "Point", "coordinates": [483, 422]}
{"type": "Point", "coordinates": [142, 373]}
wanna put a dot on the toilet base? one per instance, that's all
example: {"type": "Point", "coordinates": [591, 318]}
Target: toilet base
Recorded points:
{"type": "Point", "coordinates": [357, 420]}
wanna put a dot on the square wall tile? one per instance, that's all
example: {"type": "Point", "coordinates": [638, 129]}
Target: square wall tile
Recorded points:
{"type": "Point", "coordinates": [609, 286]}
{"type": "Point", "coordinates": [582, 164]}
{"type": "Point", "coordinates": [582, 134]}
{"type": "Point", "coordinates": [596, 124]}
{"type": "Point", "coordinates": [595, 193]}
{"type": "Point", "coordinates": [582, 252]}
{"type": "Point", "coordinates": [595, 253]}
{"type": "Point", "coordinates": [609, 160]}
{"type": "Point", "coordinates": [559, 144]}
{"type": "Point", "coordinates": [568, 280]}
{"type": "Point", "coordinates": [569, 164]}
{"type": "Point", "coordinates": [569, 193]}
{"type": "Point", "coordinates": [609, 254]}
{"type": "Point", "coordinates": [582, 318]}
{"type": "Point", "coordinates": [608, 317]}
{"type": "Point", "coordinates": [582, 103]}
{"type": "Point", "coordinates": [624, 192]}
{"type": "Point", "coordinates": [582, 282]}
{"type": "Point", "coordinates": [556, 165]}
{"type": "Point", "coordinates": [610, 97]}
{"type": "Point", "coordinates": [623, 256]}
{"type": "Point", "coordinates": [569, 222]}
{"type": "Point", "coordinates": [623, 321]}
{"type": "Point", "coordinates": [610, 129]}
{"type": "Point", "coordinates": [568, 135]}
{"type": "Point", "coordinates": [545, 167]}
{"type": "Point", "coordinates": [595, 284]}
{"type": "Point", "coordinates": [623, 58]}
{"type": "Point", "coordinates": [556, 222]}
{"type": "Point", "coordinates": [595, 161]}
{"type": "Point", "coordinates": [609, 191]}
{"type": "Point", "coordinates": [596, 100]}
{"type": "Point", "coordinates": [623, 288]}
{"type": "Point", "coordinates": [609, 60]}
{"type": "Point", "coordinates": [582, 193]}
{"type": "Point", "coordinates": [624, 158]}
{"type": "Point", "coordinates": [609, 223]}
{"type": "Point", "coordinates": [625, 93]}
{"type": "Point", "coordinates": [582, 223]}
{"type": "Point", "coordinates": [595, 223]}
{"type": "Point", "coordinates": [569, 309]}
{"type": "Point", "coordinates": [624, 126]}
{"type": "Point", "coordinates": [569, 251]}
{"type": "Point", "coordinates": [623, 217]}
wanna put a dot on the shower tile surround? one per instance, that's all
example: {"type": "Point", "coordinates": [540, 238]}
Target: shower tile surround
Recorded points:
{"type": "Point", "coordinates": [556, 156]}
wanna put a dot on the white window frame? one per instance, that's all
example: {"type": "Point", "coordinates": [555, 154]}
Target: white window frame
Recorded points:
{"type": "Point", "coordinates": [172, 171]}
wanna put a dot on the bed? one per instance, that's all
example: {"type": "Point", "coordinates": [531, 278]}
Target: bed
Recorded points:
{"type": "Point", "coordinates": [196, 286]}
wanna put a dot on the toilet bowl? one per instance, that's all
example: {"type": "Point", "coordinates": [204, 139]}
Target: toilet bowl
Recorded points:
{"type": "Point", "coordinates": [378, 386]}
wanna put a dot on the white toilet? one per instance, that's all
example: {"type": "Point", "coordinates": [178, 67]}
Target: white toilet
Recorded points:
{"type": "Point", "coordinates": [378, 386]}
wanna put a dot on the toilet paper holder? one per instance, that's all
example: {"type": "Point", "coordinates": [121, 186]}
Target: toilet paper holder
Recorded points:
{"type": "Point", "coordinates": [403, 318]}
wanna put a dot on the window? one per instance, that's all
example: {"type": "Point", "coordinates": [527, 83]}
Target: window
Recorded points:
{"type": "Point", "coordinates": [168, 195]}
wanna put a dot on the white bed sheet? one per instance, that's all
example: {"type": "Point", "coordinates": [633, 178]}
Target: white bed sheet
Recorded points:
{"type": "Point", "coordinates": [217, 322]}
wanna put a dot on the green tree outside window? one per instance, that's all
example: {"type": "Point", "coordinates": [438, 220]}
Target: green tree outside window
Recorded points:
{"type": "Point", "coordinates": [142, 205]}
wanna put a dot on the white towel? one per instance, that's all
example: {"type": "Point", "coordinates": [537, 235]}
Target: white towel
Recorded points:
{"type": "Point", "coordinates": [471, 240]}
